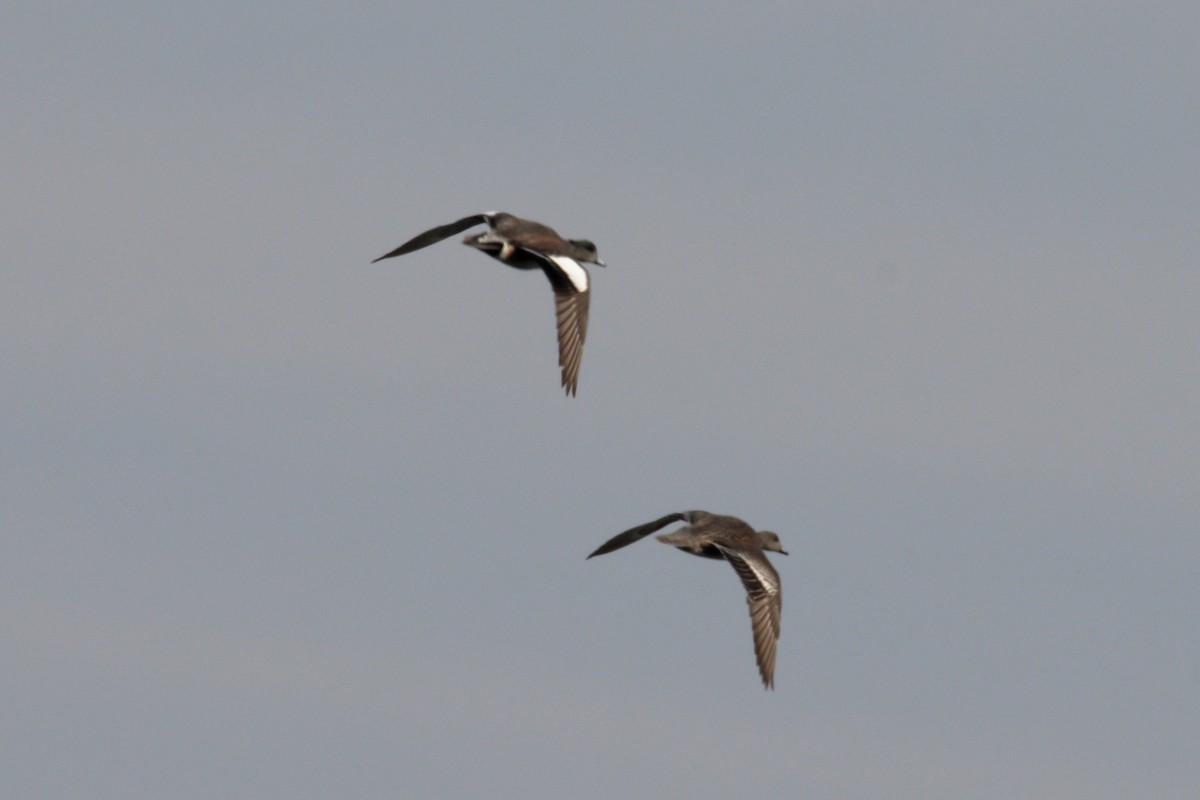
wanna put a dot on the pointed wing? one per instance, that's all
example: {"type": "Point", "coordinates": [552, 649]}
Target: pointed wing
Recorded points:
{"type": "Point", "coordinates": [571, 311]}
{"type": "Point", "coordinates": [634, 534]}
{"type": "Point", "coordinates": [764, 596]}
{"type": "Point", "coordinates": [572, 296]}
{"type": "Point", "coordinates": [435, 235]}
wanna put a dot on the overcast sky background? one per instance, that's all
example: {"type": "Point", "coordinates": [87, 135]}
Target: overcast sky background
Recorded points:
{"type": "Point", "coordinates": [914, 285]}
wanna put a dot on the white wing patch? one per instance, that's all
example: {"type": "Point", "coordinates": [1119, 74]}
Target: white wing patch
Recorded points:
{"type": "Point", "coordinates": [575, 273]}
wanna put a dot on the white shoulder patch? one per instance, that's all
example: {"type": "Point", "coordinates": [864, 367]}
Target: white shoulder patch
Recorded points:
{"type": "Point", "coordinates": [575, 272]}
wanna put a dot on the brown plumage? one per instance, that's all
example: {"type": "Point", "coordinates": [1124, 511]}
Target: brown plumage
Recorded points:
{"type": "Point", "coordinates": [716, 536]}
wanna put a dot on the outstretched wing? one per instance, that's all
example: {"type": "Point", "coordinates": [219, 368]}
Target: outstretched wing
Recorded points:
{"type": "Point", "coordinates": [571, 312]}
{"type": "Point", "coordinates": [634, 534]}
{"type": "Point", "coordinates": [435, 235]}
{"type": "Point", "coordinates": [764, 596]}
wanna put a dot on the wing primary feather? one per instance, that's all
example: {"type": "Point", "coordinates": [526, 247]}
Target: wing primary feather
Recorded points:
{"type": "Point", "coordinates": [435, 235]}
{"type": "Point", "coordinates": [571, 314]}
{"type": "Point", "coordinates": [765, 603]}
{"type": "Point", "coordinates": [634, 534]}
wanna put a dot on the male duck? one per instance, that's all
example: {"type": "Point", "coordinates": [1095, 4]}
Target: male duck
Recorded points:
{"type": "Point", "coordinates": [524, 244]}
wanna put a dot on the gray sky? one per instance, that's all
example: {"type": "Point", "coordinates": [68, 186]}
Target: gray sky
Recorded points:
{"type": "Point", "coordinates": [915, 286]}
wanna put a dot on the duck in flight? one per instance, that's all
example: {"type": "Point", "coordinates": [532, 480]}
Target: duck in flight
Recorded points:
{"type": "Point", "coordinates": [717, 536]}
{"type": "Point", "coordinates": [525, 244]}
